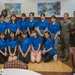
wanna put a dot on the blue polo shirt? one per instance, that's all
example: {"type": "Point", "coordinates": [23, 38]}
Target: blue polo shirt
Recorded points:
{"type": "Point", "coordinates": [42, 25]}
{"type": "Point", "coordinates": [13, 26]}
{"type": "Point", "coordinates": [54, 28]}
{"type": "Point", "coordinates": [3, 26]}
{"type": "Point", "coordinates": [25, 44]}
{"type": "Point", "coordinates": [12, 43]}
{"type": "Point", "coordinates": [23, 25]}
{"type": "Point", "coordinates": [3, 44]}
{"type": "Point", "coordinates": [35, 42]}
{"type": "Point", "coordinates": [48, 44]}
{"type": "Point", "coordinates": [31, 24]}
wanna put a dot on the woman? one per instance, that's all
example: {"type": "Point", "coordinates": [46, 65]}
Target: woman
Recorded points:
{"type": "Point", "coordinates": [36, 42]}
{"type": "Point", "coordinates": [65, 36]}
{"type": "Point", "coordinates": [23, 23]}
{"type": "Point", "coordinates": [24, 48]}
{"type": "Point", "coordinates": [54, 29]}
{"type": "Point", "coordinates": [48, 51]}
{"type": "Point", "coordinates": [31, 23]}
{"type": "Point", "coordinates": [6, 18]}
{"type": "Point", "coordinates": [3, 25]}
{"type": "Point", "coordinates": [3, 49]}
{"type": "Point", "coordinates": [13, 25]}
{"type": "Point", "coordinates": [42, 25]}
{"type": "Point", "coordinates": [12, 44]}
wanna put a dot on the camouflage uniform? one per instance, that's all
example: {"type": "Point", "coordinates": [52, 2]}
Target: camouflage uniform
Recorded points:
{"type": "Point", "coordinates": [72, 35]}
{"type": "Point", "coordinates": [65, 37]}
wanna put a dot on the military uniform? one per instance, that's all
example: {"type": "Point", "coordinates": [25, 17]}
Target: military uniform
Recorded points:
{"type": "Point", "coordinates": [65, 37]}
{"type": "Point", "coordinates": [72, 35]}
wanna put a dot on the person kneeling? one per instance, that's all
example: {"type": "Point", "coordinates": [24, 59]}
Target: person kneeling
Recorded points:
{"type": "Point", "coordinates": [48, 51]}
{"type": "Point", "coordinates": [36, 45]}
{"type": "Point", "coordinates": [12, 43]}
{"type": "Point", "coordinates": [24, 48]}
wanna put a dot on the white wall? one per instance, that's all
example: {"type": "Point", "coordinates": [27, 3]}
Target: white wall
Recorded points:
{"type": "Point", "coordinates": [31, 5]}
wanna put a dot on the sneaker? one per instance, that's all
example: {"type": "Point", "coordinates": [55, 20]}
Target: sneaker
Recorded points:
{"type": "Point", "coordinates": [55, 57]}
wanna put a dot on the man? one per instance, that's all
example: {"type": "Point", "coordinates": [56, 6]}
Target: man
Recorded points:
{"type": "Point", "coordinates": [72, 35]}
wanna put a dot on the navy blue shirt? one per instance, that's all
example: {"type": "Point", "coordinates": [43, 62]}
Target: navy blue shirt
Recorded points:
{"type": "Point", "coordinates": [3, 26]}
{"type": "Point", "coordinates": [12, 43]}
{"type": "Point", "coordinates": [35, 42]}
{"type": "Point", "coordinates": [25, 44]}
{"type": "Point", "coordinates": [54, 28]}
{"type": "Point", "coordinates": [42, 25]}
{"type": "Point", "coordinates": [13, 26]}
{"type": "Point", "coordinates": [49, 44]}
{"type": "Point", "coordinates": [23, 25]}
{"type": "Point", "coordinates": [31, 24]}
{"type": "Point", "coordinates": [3, 44]}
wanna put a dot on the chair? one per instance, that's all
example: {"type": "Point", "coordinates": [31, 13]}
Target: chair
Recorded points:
{"type": "Point", "coordinates": [15, 64]}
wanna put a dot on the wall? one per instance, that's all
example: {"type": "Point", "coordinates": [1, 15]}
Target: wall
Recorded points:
{"type": "Point", "coordinates": [31, 5]}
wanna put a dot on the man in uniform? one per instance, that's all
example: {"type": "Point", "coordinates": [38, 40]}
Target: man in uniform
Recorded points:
{"type": "Point", "coordinates": [72, 35]}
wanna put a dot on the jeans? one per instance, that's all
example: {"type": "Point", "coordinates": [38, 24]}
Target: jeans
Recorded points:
{"type": "Point", "coordinates": [55, 43]}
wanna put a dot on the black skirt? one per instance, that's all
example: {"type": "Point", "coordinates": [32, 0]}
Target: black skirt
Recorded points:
{"type": "Point", "coordinates": [3, 58]}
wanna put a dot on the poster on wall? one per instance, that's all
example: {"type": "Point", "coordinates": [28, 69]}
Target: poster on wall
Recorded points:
{"type": "Point", "coordinates": [13, 8]}
{"type": "Point", "coordinates": [50, 8]}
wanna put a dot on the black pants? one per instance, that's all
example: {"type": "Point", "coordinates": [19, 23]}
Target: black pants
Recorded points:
{"type": "Point", "coordinates": [47, 57]}
{"type": "Point", "coordinates": [26, 59]}
{"type": "Point", "coordinates": [3, 58]}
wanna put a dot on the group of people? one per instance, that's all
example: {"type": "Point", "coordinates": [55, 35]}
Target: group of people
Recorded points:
{"type": "Point", "coordinates": [32, 40]}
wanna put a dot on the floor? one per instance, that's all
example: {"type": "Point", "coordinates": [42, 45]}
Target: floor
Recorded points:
{"type": "Point", "coordinates": [51, 68]}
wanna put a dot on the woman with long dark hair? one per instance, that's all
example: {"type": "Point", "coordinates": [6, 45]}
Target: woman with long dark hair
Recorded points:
{"type": "Point", "coordinates": [13, 25]}
{"type": "Point", "coordinates": [48, 51]}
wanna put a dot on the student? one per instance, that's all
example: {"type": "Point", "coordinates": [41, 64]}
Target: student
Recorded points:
{"type": "Point", "coordinates": [3, 49]}
{"type": "Point", "coordinates": [31, 23]}
{"type": "Point", "coordinates": [66, 26]}
{"type": "Point", "coordinates": [36, 42]}
{"type": "Point", "coordinates": [3, 25]}
{"type": "Point", "coordinates": [12, 44]}
{"type": "Point", "coordinates": [24, 48]}
{"type": "Point", "coordinates": [42, 25]}
{"type": "Point", "coordinates": [48, 51]}
{"type": "Point", "coordinates": [54, 29]}
{"type": "Point", "coordinates": [4, 13]}
{"type": "Point", "coordinates": [13, 25]}
{"type": "Point", "coordinates": [23, 23]}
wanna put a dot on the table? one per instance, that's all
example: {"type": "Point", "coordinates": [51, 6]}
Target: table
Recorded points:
{"type": "Point", "coordinates": [18, 72]}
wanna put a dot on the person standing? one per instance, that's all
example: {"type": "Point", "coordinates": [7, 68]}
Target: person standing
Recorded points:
{"type": "Point", "coordinates": [6, 17]}
{"type": "Point", "coordinates": [72, 38]}
{"type": "Point", "coordinates": [54, 29]}
{"type": "Point", "coordinates": [42, 25]}
{"type": "Point", "coordinates": [66, 27]}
